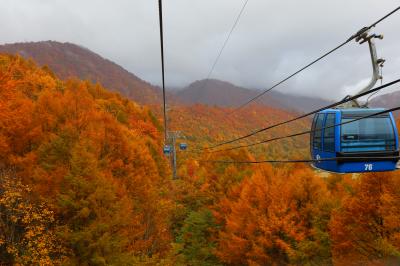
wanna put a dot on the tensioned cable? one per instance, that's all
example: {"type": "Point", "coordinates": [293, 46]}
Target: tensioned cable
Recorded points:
{"type": "Point", "coordinates": [225, 42]}
{"type": "Point", "coordinates": [306, 132]}
{"type": "Point", "coordinates": [303, 161]}
{"type": "Point", "coordinates": [162, 67]}
{"type": "Point", "coordinates": [303, 116]}
{"type": "Point", "coordinates": [316, 60]}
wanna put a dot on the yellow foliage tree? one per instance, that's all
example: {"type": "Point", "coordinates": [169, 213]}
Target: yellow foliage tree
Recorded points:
{"type": "Point", "coordinates": [27, 234]}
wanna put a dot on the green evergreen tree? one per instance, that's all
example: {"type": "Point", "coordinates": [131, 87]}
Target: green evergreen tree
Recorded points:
{"type": "Point", "coordinates": [195, 239]}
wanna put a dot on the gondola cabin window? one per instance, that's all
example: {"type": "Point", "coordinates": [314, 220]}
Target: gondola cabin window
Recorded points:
{"type": "Point", "coordinates": [369, 134]}
{"type": "Point", "coordinates": [317, 139]}
{"type": "Point", "coordinates": [329, 133]}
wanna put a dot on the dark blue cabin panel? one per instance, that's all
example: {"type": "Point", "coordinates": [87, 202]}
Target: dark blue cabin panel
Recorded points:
{"type": "Point", "coordinates": [366, 166]}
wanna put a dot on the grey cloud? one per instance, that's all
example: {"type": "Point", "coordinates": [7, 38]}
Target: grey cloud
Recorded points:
{"type": "Point", "coordinates": [273, 38]}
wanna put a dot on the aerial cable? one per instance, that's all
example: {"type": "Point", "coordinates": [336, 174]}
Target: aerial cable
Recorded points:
{"type": "Point", "coordinates": [305, 132]}
{"type": "Point", "coordinates": [302, 160]}
{"type": "Point", "coordinates": [307, 114]}
{"type": "Point", "coordinates": [225, 42]}
{"type": "Point", "coordinates": [162, 69]}
{"type": "Point", "coordinates": [316, 60]}
{"type": "Point", "coordinates": [303, 116]}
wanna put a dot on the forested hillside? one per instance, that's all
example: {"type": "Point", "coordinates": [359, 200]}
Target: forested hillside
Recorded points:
{"type": "Point", "coordinates": [69, 60]}
{"type": "Point", "coordinates": [205, 125]}
{"type": "Point", "coordinates": [83, 181]}
{"type": "Point", "coordinates": [83, 178]}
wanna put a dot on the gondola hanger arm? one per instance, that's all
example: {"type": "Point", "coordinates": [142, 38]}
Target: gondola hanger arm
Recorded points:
{"type": "Point", "coordinates": [363, 37]}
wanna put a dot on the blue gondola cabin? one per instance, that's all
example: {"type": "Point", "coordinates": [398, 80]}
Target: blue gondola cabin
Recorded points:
{"type": "Point", "coordinates": [183, 146]}
{"type": "Point", "coordinates": [167, 149]}
{"type": "Point", "coordinates": [374, 137]}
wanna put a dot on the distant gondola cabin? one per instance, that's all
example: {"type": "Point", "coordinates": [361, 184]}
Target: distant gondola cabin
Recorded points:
{"type": "Point", "coordinates": [183, 146]}
{"type": "Point", "coordinates": [167, 149]}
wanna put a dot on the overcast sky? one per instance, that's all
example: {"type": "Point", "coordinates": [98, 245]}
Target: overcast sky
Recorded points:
{"type": "Point", "coordinates": [272, 39]}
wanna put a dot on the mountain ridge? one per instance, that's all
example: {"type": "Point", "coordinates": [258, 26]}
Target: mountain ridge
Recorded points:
{"type": "Point", "coordinates": [388, 100]}
{"type": "Point", "coordinates": [69, 60]}
{"type": "Point", "coordinates": [223, 93]}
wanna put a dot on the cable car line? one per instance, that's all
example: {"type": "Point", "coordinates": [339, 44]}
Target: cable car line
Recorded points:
{"type": "Point", "coordinates": [225, 43]}
{"type": "Point", "coordinates": [302, 161]}
{"type": "Point", "coordinates": [316, 60]}
{"type": "Point", "coordinates": [383, 18]}
{"type": "Point", "coordinates": [162, 69]}
{"type": "Point", "coordinates": [306, 132]}
{"type": "Point", "coordinates": [302, 116]}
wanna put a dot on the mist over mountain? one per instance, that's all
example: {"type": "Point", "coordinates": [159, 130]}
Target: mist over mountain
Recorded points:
{"type": "Point", "coordinates": [222, 93]}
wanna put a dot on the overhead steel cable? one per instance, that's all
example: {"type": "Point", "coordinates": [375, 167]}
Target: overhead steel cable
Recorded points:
{"type": "Point", "coordinates": [302, 116]}
{"type": "Point", "coordinates": [302, 160]}
{"type": "Point", "coordinates": [162, 68]}
{"type": "Point", "coordinates": [384, 17]}
{"type": "Point", "coordinates": [316, 60]}
{"type": "Point", "coordinates": [306, 132]}
{"type": "Point", "coordinates": [225, 42]}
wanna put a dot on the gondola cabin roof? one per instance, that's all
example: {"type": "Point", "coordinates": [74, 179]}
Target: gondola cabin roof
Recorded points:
{"type": "Point", "coordinates": [354, 111]}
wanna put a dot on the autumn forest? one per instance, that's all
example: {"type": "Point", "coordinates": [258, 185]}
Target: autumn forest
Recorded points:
{"type": "Point", "coordinates": [84, 181]}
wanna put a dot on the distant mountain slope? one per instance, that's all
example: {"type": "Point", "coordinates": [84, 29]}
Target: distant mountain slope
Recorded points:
{"type": "Point", "coordinates": [214, 92]}
{"type": "Point", "coordinates": [387, 100]}
{"type": "Point", "coordinates": [70, 60]}
{"type": "Point", "coordinates": [221, 93]}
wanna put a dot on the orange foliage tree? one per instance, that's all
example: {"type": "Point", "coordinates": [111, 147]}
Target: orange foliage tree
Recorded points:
{"type": "Point", "coordinates": [366, 228]}
{"type": "Point", "coordinates": [272, 220]}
